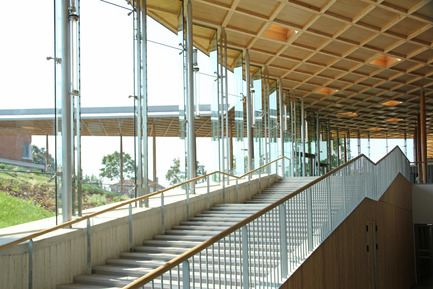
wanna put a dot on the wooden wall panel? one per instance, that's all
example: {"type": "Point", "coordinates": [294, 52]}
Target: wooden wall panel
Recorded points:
{"type": "Point", "coordinates": [343, 261]}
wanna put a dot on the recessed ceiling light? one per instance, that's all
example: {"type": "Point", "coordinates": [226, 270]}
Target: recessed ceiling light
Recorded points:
{"type": "Point", "coordinates": [326, 91]}
{"type": "Point", "coordinates": [347, 114]}
{"type": "Point", "coordinates": [392, 102]}
{"type": "Point", "coordinates": [29, 127]}
{"type": "Point", "coordinates": [385, 61]}
{"type": "Point", "coordinates": [279, 33]}
{"type": "Point", "coordinates": [394, 119]}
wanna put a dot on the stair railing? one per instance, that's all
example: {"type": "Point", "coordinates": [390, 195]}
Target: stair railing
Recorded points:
{"type": "Point", "coordinates": [265, 248]}
{"type": "Point", "coordinates": [87, 218]}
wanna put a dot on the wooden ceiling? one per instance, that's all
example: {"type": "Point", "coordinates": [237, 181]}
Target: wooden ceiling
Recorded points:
{"type": "Point", "coordinates": [345, 58]}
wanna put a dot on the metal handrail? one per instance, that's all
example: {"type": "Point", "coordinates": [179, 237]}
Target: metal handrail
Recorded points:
{"type": "Point", "coordinates": [78, 220]}
{"type": "Point", "coordinates": [200, 247]}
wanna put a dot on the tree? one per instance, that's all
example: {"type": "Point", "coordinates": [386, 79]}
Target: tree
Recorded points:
{"type": "Point", "coordinates": [111, 169]}
{"type": "Point", "coordinates": [174, 175]}
{"type": "Point", "coordinates": [39, 156]}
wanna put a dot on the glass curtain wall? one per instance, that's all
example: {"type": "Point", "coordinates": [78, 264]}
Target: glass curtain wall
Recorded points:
{"type": "Point", "coordinates": [287, 133]}
{"type": "Point", "coordinates": [258, 119]}
{"type": "Point", "coordinates": [237, 96]}
{"type": "Point", "coordinates": [311, 144]}
{"type": "Point", "coordinates": [181, 33]}
{"type": "Point", "coordinates": [273, 124]}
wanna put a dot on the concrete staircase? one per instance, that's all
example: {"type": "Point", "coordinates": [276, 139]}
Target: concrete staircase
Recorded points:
{"type": "Point", "coordinates": [214, 265]}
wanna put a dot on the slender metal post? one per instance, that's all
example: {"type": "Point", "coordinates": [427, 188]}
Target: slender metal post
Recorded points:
{"type": "Point", "coordinates": [185, 275]}
{"type": "Point", "coordinates": [237, 190]}
{"type": "Point", "coordinates": [343, 183]}
{"type": "Point", "coordinates": [131, 240]}
{"type": "Point", "coordinates": [226, 94]}
{"type": "Point", "coordinates": [31, 256]}
{"type": "Point", "coordinates": [386, 142]}
{"type": "Point", "coordinates": [89, 252]}
{"type": "Point", "coordinates": [249, 186]}
{"type": "Point", "coordinates": [224, 190]}
{"type": "Point", "coordinates": [249, 112]}
{"type": "Point", "coordinates": [338, 149]}
{"type": "Point", "coordinates": [318, 144]}
{"type": "Point", "coordinates": [208, 192]}
{"type": "Point", "coordinates": [348, 145]}
{"type": "Point", "coordinates": [162, 214]}
{"type": "Point", "coordinates": [63, 51]}
{"type": "Point", "coordinates": [283, 240]}
{"type": "Point", "coordinates": [328, 143]}
{"type": "Point", "coordinates": [359, 142]}
{"type": "Point", "coordinates": [155, 178]}
{"type": "Point", "coordinates": [329, 203]}
{"type": "Point", "coordinates": [245, 261]}
{"type": "Point", "coordinates": [369, 145]}
{"type": "Point", "coordinates": [144, 98]}
{"type": "Point", "coordinates": [139, 125]}
{"type": "Point", "coordinates": [303, 136]}
{"type": "Point", "coordinates": [191, 165]}
{"type": "Point", "coordinates": [310, 219]}
{"type": "Point", "coordinates": [282, 124]}
{"type": "Point", "coordinates": [260, 181]}
{"type": "Point", "coordinates": [423, 137]}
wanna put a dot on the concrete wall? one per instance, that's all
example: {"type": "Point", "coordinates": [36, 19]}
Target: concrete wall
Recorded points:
{"type": "Point", "coordinates": [422, 201]}
{"type": "Point", "coordinates": [62, 255]}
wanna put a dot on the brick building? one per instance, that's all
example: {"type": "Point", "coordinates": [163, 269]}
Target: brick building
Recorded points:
{"type": "Point", "coordinates": [16, 147]}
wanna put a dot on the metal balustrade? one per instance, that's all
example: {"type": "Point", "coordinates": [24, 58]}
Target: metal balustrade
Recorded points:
{"type": "Point", "coordinates": [264, 249]}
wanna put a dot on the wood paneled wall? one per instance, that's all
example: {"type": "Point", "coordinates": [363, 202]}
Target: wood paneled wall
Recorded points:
{"type": "Point", "coordinates": [347, 257]}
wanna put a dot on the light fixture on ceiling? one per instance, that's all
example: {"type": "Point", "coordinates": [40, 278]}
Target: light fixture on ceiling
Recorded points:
{"type": "Point", "coordinates": [385, 61]}
{"type": "Point", "coordinates": [347, 114]}
{"type": "Point", "coordinates": [376, 128]}
{"type": "Point", "coordinates": [394, 119]}
{"type": "Point", "coordinates": [326, 91]}
{"type": "Point", "coordinates": [279, 33]}
{"type": "Point", "coordinates": [392, 102]}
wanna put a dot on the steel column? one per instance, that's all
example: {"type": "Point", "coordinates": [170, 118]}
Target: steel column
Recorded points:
{"type": "Point", "coordinates": [423, 137]}
{"type": "Point", "coordinates": [338, 149]}
{"type": "Point", "coordinates": [139, 125]}
{"type": "Point", "coordinates": [249, 112]}
{"type": "Point", "coordinates": [282, 125]}
{"type": "Point", "coordinates": [303, 137]}
{"type": "Point", "coordinates": [144, 98]}
{"type": "Point", "coordinates": [63, 51]}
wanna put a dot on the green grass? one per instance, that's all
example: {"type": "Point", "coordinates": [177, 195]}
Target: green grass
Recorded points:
{"type": "Point", "coordinates": [14, 211]}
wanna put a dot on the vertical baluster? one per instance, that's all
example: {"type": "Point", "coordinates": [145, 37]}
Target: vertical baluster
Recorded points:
{"type": "Point", "coordinates": [131, 242]}
{"type": "Point", "coordinates": [245, 261]}
{"type": "Point", "coordinates": [185, 275]}
{"type": "Point", "coordinates": [89, 252]}
{"type": "Point", "coordinates": [31, 255]}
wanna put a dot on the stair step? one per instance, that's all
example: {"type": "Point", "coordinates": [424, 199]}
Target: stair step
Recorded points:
{"type": "Point", "coordinates": [148, 256]}
{"type": "Point", "coordinates": [105, 280]}
{"type": "Point", "coordinates": [134, 263]}
{"type": "Point", "coordinates": [121, 271]}
{"type": "Point", "coordinates": [171, 243]}
{"type": "Point", "coordinates": [168, 250]}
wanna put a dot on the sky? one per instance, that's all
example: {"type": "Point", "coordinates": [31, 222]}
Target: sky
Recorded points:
{"type": "Point", "coordinates": [106, 74]}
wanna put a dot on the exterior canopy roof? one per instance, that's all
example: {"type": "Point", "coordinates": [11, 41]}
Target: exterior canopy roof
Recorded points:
{"type": "Point", "coordinates": [346, 58]}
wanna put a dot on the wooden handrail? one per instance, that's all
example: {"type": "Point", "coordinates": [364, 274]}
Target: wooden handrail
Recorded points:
{"type": "Point", "coordinates": [78, 220]}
